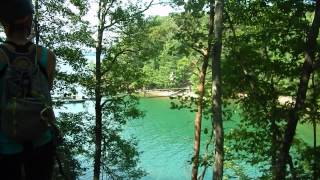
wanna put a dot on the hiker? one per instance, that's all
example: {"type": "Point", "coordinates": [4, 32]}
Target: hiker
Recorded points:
{"type": "Point", "coordinates": [27, 145]}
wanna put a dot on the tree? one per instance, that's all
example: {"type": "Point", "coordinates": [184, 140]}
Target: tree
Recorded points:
{"type": "Point", "coordinates": [196, 40]}
{"type": "Point", "coordinates": [111, 17]}
{"type": "Point", "coordinates": [263, 48]}
{"type": "Point", "coordinates": [61, 35]}
{"type": "Point", "coordinates": [216, 90]}
{"type": "Point", "coordinates": [307, 69]}
{"type": "Point", "coordinates": [165, 66]}
{"type": "Point", "coordinates": [110, 80]}
{"type": "Point", "coordinates": [199, 41]}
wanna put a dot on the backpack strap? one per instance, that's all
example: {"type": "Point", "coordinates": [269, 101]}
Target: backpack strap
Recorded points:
{"type": "Point", "coordinates": [3, 65]}
{"type": "Point", "coordinates": [42, 62]}
{"type": "Point", "coordinates": [20, 48]}
{"type": "Point", "coordinates": [5, 51]}
{"type": "Point", "coordinates": [13, 55]}
{"type": "Point", "coordinates": [2, 69]}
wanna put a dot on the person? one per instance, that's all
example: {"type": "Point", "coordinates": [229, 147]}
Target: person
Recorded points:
{"type": "Point", "coordinates": [20, 160]}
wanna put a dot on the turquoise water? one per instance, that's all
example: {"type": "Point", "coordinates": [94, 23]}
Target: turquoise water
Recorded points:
{"type": "Point", "coordinates": [305, 131]}
{"type": "Point", "coordinates": [166, 139]}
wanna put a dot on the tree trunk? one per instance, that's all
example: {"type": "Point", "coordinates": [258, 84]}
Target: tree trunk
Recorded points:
{"type": "Point", "coordinates": [98, 122]}
{"type": "Point", "coordinates": [201, 90]}
{"type": "Point", "coordinates": [216, 90]}
{"type": "Point", "coordinates": [301, 94]}
{"type": "Point", "coordinates": [315, 149]}
{"type": "Point", "coordinates": [314, 134]}
{"type": "Point", "coordinates": [198, 119]}
{"type": "Point", "coordinates": [273, 148]}
{"type": "Point", "coordinates": [314, 124]}
{"type": "Point", "coordinates": [98, 96]}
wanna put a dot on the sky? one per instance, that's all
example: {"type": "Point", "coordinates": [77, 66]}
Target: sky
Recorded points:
{"type": "Point", "coordinates": [160, 10]}
{"type": "Point", "coordinates": [156, 9]}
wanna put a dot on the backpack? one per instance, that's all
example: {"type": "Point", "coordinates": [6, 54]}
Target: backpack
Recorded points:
{"type": "Point", "coordinates": [25, 100]}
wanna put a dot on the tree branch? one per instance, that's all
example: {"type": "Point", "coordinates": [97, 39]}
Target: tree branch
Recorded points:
{"type": "Point", "coordinates": [108, 9]}
{"type": "Point", "coordinates": [105, 102]}
{"type": "Point", "coordinates": [115, 58]}
{"type": "Point", "coordinates": [203, 52]}
{"type": "Point", "coordinates": [118, 97]}
{"type": "Point", "coordinates": [112, 23]}
{"type": "Point", "coordinates": [307, 70]}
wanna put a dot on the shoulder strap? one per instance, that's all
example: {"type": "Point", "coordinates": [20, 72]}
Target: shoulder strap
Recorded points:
{"type": "Point", "coordinates": [13, 55]}
{"type": "Point", "coordinates": [2, 68]}
{"type": "Point", "coordinates": [20, 48]}
{"type": "Point", "coordinates": [3, 65]}
{"type": "Point", "coordinates": [7, 52]}
{"type": "Point", "coordinates": [43, 61]}
{"type": "Point", "coordinates": [44, 58]}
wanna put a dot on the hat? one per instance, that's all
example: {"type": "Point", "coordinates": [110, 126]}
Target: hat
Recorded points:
{"type": "Point", "coordinates": [15, 10]}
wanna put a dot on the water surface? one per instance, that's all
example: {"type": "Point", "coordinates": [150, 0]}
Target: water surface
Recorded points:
{"type": "Point", "coordinates": [165, 138]}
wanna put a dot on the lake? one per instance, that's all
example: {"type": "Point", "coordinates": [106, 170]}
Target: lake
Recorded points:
{"type": "Point", "coordinates": [166, 139]}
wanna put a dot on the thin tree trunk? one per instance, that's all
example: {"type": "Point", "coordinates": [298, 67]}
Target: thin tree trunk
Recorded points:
{"type": "Point", "coordinates": [206, 165]}
{"type": "Point", "coordinates": [216, 90]}
{"type": "Point", "coordinates": [36, 22]}
{"type": "Point", "coordinates": [314, 149]}
{"type": "Point", "coordinates": [98, 96]}
{"type": "Point", "coordinates": [314, 134]}
{"type": "Point", "coordinates": [98, 122]}
{"type": "Point", "coordinates": [201, 90]}
{"type": "Point", "coordinates": [301, 94]}
{"type": "Point", "coordinates": [198, 119]}
{"type": "Point", "coordinates": [314, 124]}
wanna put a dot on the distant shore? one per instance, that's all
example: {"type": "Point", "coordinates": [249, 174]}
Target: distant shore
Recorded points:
{"type": "Point", "coordinates": [283, 100]}
{"type": "Point", "coordinates": [165, 93]}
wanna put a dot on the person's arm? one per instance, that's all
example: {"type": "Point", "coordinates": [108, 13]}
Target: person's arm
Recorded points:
{"type": "Point", "coordinates": [50, 71]}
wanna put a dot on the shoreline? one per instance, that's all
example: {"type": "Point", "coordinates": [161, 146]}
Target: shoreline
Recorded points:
{"type": "Point", "coordinates": [165, 93]}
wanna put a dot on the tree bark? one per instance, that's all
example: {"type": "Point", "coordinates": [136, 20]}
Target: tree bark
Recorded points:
{"type": "Point", "coordinates": [98, 96]}
{"type": "Point", "coordinates": [307, 69]}
{"type": "Point", "coordinates": [314, 124]}
{"type": "Point", "coordinates": [216, 91]}
{"type": "Point", "coordinates": [198, 118]}
{"type": "Point", "coordinates": [314, 149]}
{"type": "Point", "coordinates": [201, 90]}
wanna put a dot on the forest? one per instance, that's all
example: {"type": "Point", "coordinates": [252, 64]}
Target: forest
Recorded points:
{"type": "Point", "coordinates": [257, 57]}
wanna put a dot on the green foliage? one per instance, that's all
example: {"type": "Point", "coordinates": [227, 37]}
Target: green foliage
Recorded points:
{"type": "Point", "coordinates": [63, 29]}
{"type": "Point", "coordinates": [264, 48]}
{"type": "Point", "coordinates": [74, 147]}
{"type": "Point", "coordinates": [264, 44]}
{"type": "Point", "coordinates": [305, 160]}
{"type": "Point", "coordinates": [261, 61]}
{"type": "Point", "coordinates": [166, 67]}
